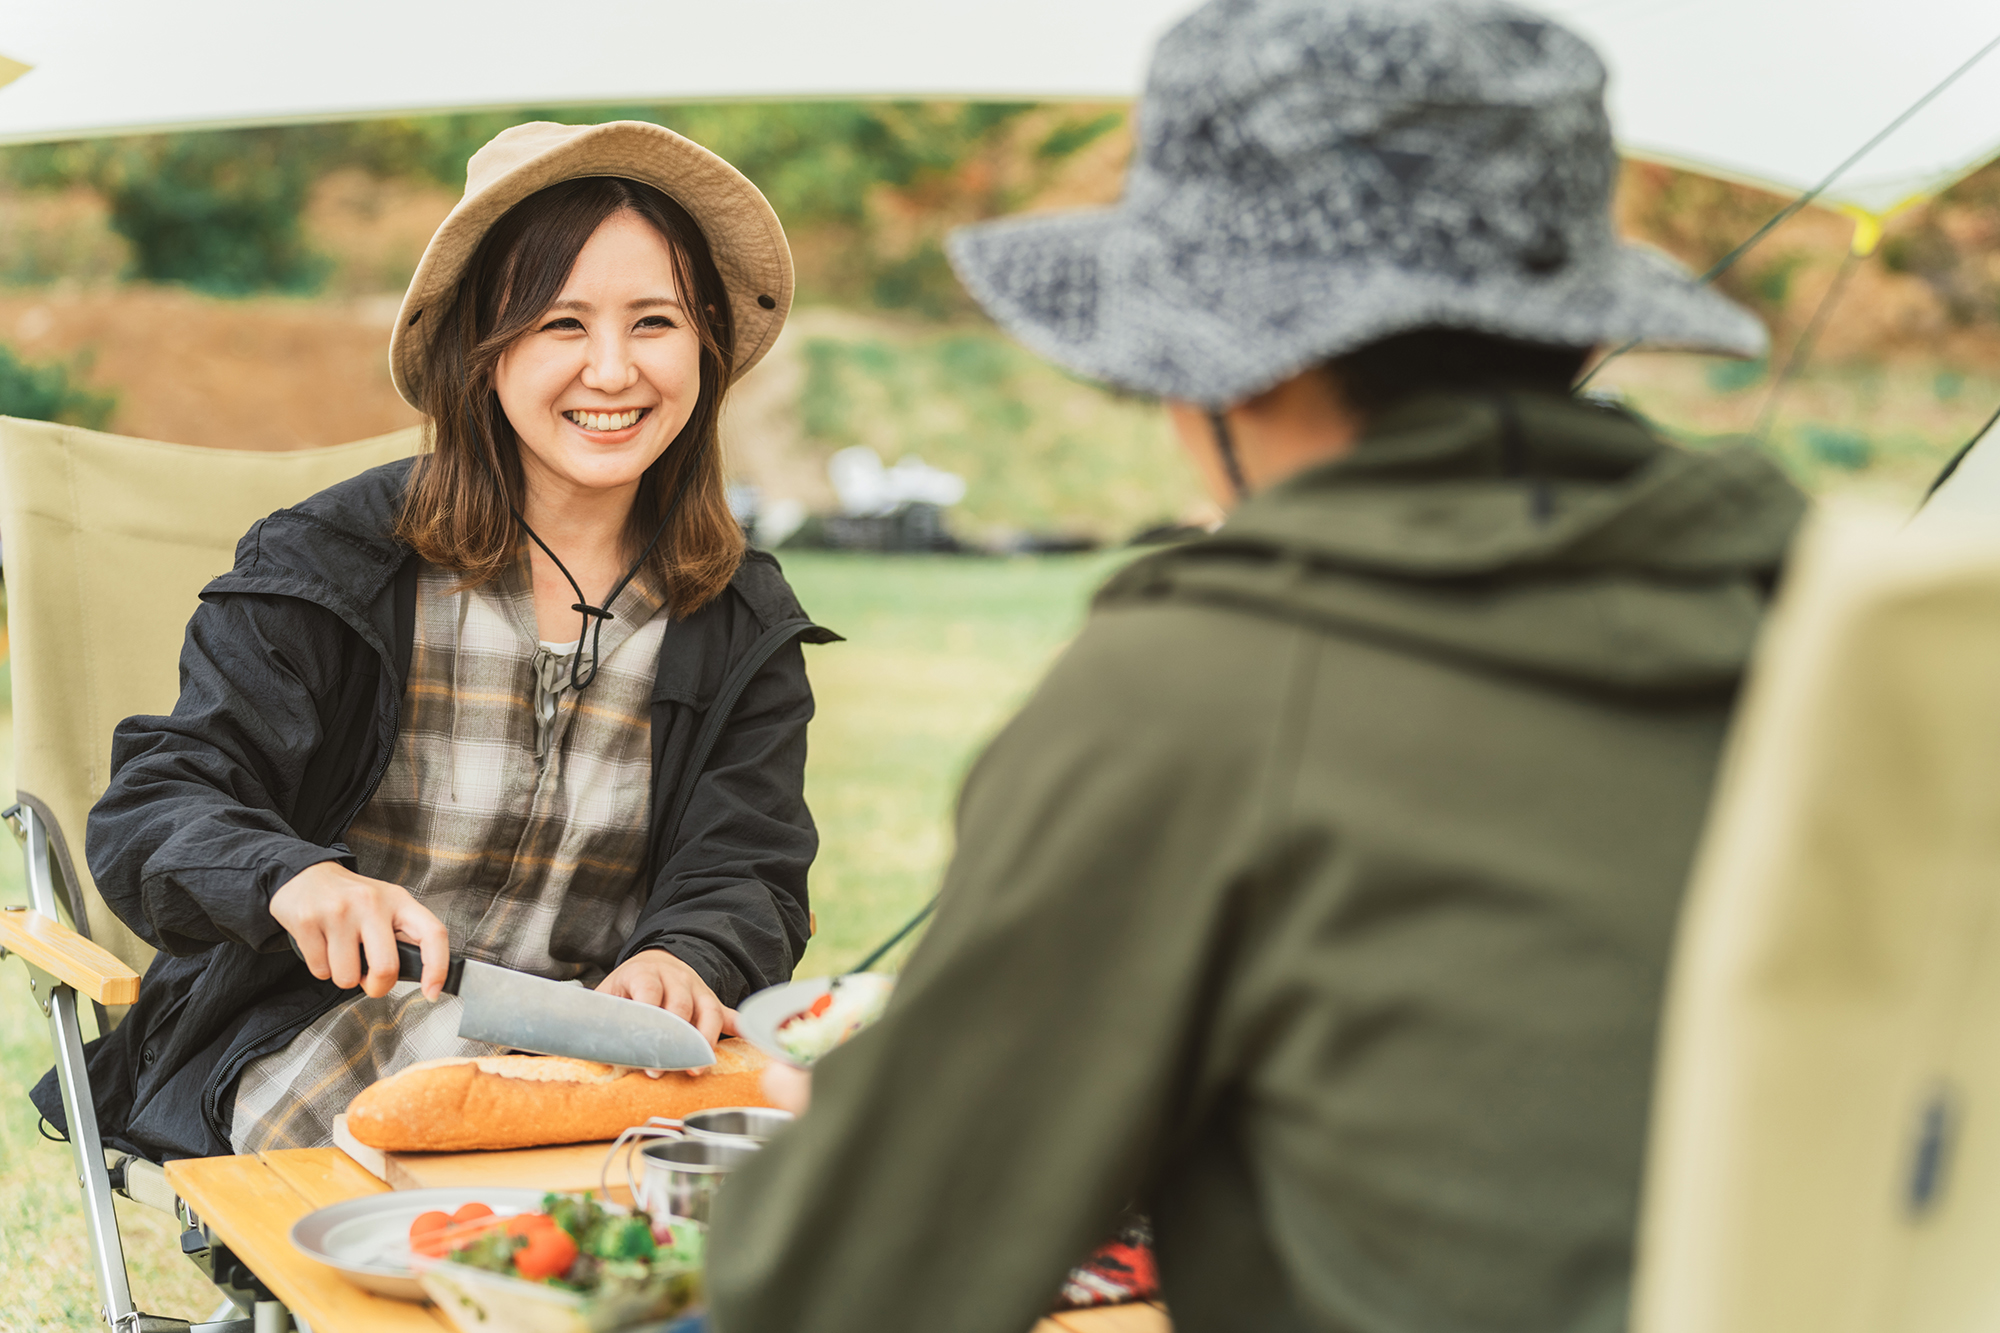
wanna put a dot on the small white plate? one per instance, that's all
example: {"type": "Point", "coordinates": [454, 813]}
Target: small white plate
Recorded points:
{"type": "Point", "coordinates": [368, 1239]}
{"type": "Point", "coordinates": [759, 1017]}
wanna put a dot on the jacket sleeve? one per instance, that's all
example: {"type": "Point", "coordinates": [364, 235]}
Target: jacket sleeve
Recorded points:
{"type": "Point", "coordinates": [980, 1139]}
{"type": "Point", "coordinates": [193, 833]}
{"type": "Point", "coordinates": [731, 899]}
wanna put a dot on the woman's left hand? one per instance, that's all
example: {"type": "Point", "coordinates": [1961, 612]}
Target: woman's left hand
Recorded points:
{"type": "Point", "coordinates": [656, 977]}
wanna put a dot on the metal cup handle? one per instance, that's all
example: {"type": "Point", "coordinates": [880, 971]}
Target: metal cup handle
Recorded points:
{"type": "Point", "coordinates": [658, 1127]}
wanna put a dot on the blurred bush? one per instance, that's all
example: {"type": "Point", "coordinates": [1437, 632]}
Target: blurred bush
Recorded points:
{"type": "Point", "coordinates": [1834, 446]}
{"type": "Point", "coordinates": [217, 211]}
{"type": "Point", "coordinates": [49, 393]}
{"type": "Point", "coordinates": [49, 236]}
{"type": "Point", "coordinates": [1736, 376]}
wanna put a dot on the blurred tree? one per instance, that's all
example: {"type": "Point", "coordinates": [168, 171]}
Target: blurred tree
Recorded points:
{"type": "Point", "coordinates": [48, 393]}
{"type": "Point", "coordinates": [867, 189]}
{"type": "Point", "coordinates": [219, 211]}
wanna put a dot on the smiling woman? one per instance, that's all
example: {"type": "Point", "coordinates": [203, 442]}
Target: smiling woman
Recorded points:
{"type": "Point", "coordinates": [526, 699]}
{"type": "Point", "coordinates": [591, 325]}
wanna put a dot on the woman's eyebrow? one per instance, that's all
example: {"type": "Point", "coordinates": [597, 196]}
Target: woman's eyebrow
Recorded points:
{"type": "Point", "coordinates": [641, 303]}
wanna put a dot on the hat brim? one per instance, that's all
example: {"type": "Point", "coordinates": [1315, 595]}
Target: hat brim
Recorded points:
{"type": "Point", "coordinates": [1103, 295]}
{"type": "Point", "coordinates": [743, 233]}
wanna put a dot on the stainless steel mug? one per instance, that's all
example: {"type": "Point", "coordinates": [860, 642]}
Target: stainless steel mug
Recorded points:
{"type": "Point", "coordinates": [680, 1177]}
{"type": "Point", "coordinates": [735, 1124]}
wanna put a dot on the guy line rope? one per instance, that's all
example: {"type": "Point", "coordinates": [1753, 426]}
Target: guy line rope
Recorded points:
{"type": "Point", "coordinates": [1867, 231]}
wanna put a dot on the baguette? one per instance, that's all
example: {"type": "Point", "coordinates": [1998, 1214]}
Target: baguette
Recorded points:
{"type": "Point", "coordinates": [528, 1101]}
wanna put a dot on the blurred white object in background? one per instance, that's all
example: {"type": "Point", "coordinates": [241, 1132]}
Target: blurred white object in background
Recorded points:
{"type": "Point", "coordinates": [867, 488]}
{"type": "Point", "coordinates": [766, 522]}
{"type": "Point", "coordinates": [778, 520]}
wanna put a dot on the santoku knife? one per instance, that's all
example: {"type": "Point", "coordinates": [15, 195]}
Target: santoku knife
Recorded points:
{"type": "Point", "coordinates": [530, 1013]}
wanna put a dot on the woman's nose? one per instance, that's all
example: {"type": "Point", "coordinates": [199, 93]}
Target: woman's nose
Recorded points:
{"type": "Point", "coordinates": [610, 368]}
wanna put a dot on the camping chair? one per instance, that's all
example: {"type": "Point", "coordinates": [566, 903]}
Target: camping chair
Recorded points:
{"type": "Point", "coordinates": [107, 542]}
{"type": "Point", "coordinates": [1825, 1152]}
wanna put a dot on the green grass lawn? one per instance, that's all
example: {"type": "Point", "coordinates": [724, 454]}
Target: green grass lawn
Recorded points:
{"type": "Point", "coordinates": [939, 652]}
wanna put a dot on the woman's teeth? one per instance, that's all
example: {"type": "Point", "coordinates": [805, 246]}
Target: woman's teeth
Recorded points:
{"type": "Point", "coordinates": [606, 420]}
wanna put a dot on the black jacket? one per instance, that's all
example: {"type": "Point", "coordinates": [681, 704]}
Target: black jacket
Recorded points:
{"type": "Point", "coordinates": [291, 684]}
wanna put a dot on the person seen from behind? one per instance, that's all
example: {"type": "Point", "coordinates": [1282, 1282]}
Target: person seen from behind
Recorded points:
{"type": "Point", "coordinates": [1319, 902]}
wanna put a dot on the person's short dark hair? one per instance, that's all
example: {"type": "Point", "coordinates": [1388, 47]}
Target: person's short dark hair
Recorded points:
{"type": "Point", "coordinates": [1383, 373]}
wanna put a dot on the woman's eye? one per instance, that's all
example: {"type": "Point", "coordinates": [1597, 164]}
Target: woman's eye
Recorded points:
{"type": "Point", "coordinates": [654, 322]}
{"type": "Point", "coordinates": [564, 324]}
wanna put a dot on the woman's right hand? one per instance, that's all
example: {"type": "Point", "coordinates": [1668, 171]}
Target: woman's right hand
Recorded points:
{"type": "Point", "coordinates": [338, 918]}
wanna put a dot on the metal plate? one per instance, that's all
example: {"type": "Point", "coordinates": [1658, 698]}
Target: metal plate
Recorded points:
{"type": "Point", "coordinates": [759, 1017]}
{"type": "Point", "coordinates": [368, 1239]}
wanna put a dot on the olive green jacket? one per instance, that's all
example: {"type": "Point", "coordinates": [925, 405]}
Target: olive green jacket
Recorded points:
{"type": "Point", "coordinates": [1319, 901]}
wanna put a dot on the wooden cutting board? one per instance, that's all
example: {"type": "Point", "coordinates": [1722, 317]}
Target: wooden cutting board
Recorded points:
{"type": "Point", "coordinates": [573, 1166]}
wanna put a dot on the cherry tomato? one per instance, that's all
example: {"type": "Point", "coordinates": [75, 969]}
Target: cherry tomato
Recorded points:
{"type": "Point", "coordinates": [548, 1253]}
{"type": "Point", "coordinates": [427, 1233]}
{"type": "Point", "coordinates": [471, 1212]}
{"type": "Point", "coordinates": [529, 1224]}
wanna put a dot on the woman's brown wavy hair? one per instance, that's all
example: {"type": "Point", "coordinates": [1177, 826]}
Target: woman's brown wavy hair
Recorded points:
{"type": "Point", "coordinates": [458, 510]}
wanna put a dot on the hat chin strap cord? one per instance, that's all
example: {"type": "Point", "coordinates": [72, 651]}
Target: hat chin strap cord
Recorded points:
{"type": "Point", "coordinates": [592, 626]}
{"type": "Point", "coordinates": [1225, 445]}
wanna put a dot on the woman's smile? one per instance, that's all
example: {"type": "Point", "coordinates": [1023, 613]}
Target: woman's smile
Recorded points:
{"type": "Point", "coordinates": [607, 426]}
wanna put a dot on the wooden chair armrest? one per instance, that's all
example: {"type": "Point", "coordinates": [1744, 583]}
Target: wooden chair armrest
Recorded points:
{"type": "Point", "coordinates": [67, 956]}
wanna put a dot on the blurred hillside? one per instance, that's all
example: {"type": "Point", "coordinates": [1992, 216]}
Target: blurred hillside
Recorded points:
{"type": "Point", "coordinates": [234, 289]}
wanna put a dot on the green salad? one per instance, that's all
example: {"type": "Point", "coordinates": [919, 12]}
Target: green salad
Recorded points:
{"type": "Point", "coordinates": [575, 1244]}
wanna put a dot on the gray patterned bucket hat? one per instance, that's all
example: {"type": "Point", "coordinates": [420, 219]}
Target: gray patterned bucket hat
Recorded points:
{"type": "Point", "coordinates": [1315, 175]}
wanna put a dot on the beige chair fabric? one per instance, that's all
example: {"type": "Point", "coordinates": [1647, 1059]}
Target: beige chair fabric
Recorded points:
{"type": "Point", "coordinates": [1825, 1154]}
{"type": "Point", "coordinates": [107, 542]}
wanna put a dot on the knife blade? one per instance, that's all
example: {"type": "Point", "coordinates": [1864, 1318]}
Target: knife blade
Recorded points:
{"type": "Point", "coordinates": [525, 1012]}
{"type": "Point", "coordinates": [531, 1013]}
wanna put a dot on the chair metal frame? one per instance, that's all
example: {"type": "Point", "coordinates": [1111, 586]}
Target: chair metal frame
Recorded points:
{"type": "Point", "coordinates": [58, 1000]}
{"type": "Point", "coordinates": [102, 1173]}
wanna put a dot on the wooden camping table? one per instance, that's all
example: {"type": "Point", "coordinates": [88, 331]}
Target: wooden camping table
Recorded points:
{"type": "Point", "coordinates": [251, 1202]}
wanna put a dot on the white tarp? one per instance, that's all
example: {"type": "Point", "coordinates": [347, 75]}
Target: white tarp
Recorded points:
{"type": "Point", "coordinates": [1782, 91]}
{"type": "Point", "coordinates": [1775, 91]}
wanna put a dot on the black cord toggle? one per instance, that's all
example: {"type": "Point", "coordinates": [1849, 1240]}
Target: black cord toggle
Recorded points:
{"type": "Point", "coordinates": [593, 616]}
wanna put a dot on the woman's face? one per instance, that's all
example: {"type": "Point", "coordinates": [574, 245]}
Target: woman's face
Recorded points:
{"type": "Point", "coordinates": [602, 383]}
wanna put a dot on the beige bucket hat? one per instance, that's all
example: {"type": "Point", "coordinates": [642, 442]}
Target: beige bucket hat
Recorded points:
{"type": "Point", "coordinates": [743, 234]}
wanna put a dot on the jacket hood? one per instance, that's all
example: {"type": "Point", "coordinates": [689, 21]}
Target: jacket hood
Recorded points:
{"type": "Point", "coordinates": [1522, 532]}
{"type": "Point", "coordinates": [337, 549]}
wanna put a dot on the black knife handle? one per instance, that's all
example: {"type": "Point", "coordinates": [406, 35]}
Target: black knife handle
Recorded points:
{"type": "Point", "coordinates": [410, 961]}
{"type": "Point", "coordinates": [409, 964]}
